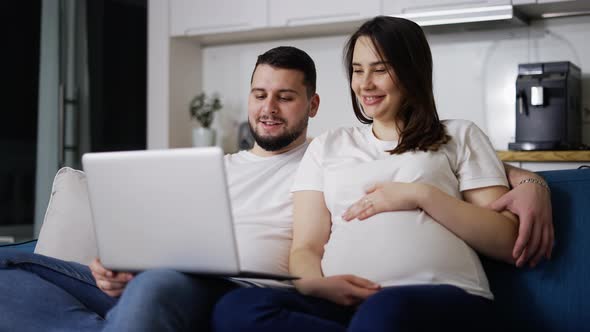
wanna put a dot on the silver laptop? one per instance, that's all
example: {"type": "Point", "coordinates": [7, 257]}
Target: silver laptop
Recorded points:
{"type": "Point", "coordinates": [164, 209]}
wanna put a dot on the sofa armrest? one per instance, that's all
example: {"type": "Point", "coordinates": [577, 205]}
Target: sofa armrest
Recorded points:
{"type": "Point", "coordinates": [28, 246]}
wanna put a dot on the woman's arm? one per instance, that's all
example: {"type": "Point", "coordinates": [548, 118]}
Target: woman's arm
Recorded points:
{"type": "Point", "coordinates": [489, 232]}
{"type": "Point", "coordinates": [311, 231]}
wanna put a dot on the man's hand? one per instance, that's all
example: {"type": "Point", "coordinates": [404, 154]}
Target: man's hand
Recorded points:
{"type": "Point", "coordinates": [110, 282]}
{"type": "Point", "coordinates": [342, 289]}
{"type": "Point", "coordinates": [532, 203]}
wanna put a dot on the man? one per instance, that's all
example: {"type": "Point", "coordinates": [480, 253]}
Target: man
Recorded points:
{"type": "Point", "coordinates": [42, 293]}
{"type": "Point", "coordinates": [48, 294]}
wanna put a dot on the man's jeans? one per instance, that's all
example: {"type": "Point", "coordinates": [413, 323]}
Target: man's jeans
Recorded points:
{"type": "Point", "coordinates": [39, 293]}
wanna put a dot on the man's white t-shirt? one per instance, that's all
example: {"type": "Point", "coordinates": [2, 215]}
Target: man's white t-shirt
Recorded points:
{"type": "Point", "coordinates": [262, 208]}
{"type": "Point", "coordinates": [401, 247]}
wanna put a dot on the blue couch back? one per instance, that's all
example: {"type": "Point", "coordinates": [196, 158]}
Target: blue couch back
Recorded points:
{"type": "Point", "coordinates": [555, 295]}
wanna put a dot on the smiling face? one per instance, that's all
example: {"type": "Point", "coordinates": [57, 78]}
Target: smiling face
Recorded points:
{"type": "Point", "coordinates": [279, 109]}
{"type": "Point", "coordinates": [374, 83]}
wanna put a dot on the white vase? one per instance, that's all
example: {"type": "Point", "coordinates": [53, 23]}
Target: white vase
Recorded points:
{"type": "Point", "coordinates": [203, 136]}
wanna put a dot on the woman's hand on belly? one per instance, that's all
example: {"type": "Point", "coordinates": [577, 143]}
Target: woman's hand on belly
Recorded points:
{"type": "Point", "coordinates": [341, 289]}
{"type": "Point", "coordinates": [384, 197]}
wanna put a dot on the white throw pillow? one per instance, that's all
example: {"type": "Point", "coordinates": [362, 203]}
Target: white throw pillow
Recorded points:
{"type": "Point", "coordinates": [67, 232]}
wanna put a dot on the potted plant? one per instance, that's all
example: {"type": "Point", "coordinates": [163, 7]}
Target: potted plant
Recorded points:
{"type": "Point", "coordinates": [201, 109]}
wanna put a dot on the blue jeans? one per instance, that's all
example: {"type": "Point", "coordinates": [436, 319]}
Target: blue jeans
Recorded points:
{"type": "Point", "coordinates": [39, 293]}
{"type": "Point", "coordinates": [404, 308]}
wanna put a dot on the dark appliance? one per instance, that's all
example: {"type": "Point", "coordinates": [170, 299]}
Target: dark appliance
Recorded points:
{"type": "Point", "coordinates": [548, 107]}
{"type": "Point", "coordinates": [245, 138]}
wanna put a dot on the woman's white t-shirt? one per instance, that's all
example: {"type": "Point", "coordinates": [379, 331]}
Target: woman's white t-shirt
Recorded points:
{"type": "Point", "coordinates": [401, 247]}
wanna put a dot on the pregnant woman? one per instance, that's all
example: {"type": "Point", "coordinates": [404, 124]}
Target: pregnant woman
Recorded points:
{"type": "Point", "coordinates": [388, 217]}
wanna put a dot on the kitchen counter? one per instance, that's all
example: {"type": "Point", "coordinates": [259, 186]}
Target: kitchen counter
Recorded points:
{"type": "Point", "coordinates": [546, 160]}
{"type": "Point", "coordinates": [545, 156]}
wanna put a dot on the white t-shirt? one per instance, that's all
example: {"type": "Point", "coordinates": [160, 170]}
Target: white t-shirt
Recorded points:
{"type": "Point", "coordinates": [401, 247]}
{"type": "Point", "coordinates": [262, 207]}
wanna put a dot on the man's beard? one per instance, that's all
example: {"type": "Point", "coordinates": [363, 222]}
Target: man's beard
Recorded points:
{"type": "Point", "coordinates": [275, 143]}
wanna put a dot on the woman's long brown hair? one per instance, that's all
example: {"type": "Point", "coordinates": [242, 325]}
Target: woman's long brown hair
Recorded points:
{"type": "Point", "coordinates": [402, 44]}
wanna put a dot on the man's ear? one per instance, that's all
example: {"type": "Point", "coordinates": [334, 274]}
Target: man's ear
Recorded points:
{"type": "Point", "coordinates": [314, 105]}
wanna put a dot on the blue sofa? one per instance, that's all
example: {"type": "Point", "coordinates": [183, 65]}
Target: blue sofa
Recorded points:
{"type": "Point", "coordinates": [554, 296]}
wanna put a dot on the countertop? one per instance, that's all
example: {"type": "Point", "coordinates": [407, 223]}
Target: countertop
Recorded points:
{"type": "Point", "coordinates": [545, 156]}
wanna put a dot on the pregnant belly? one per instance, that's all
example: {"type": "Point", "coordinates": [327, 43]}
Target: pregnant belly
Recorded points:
{"type": "Point", "coordinates": [396, 248]}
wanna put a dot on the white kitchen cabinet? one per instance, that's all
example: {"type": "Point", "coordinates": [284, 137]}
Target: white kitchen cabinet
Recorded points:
{"type": "Point", "coordinates": [552, 1]}
{"type": "Point", "coordinates": [200, 17]}
{"type": "Point", "coordinates": [392, 7]}
{"type": "Point", "coordinates": [529, 2]}
{"type": "Point", "coordinates": [284, 13]}
{"type": "Point", "coordinates": [434, 12]}
{"type": "Point", "coordinates": [523, 2]}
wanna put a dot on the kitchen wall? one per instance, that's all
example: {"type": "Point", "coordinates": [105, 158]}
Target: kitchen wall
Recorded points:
{"type": "Point", "coordinates": [474, 74]}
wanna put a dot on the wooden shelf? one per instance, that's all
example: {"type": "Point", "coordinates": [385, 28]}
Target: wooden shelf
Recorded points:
{"type": "Point", "coordinates": [545, 156]}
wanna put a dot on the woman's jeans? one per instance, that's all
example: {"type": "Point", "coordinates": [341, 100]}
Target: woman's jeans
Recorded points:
{"type": "Point", "coordinates": [403, 308]}
{"type": "Point", "coordinates": [40, 293]}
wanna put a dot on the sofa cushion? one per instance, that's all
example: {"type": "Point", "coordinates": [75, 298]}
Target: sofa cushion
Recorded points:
{"type": "Point", "coordinates": [67, 232]}
{"type": "Point", "coordinates": [554, 295]}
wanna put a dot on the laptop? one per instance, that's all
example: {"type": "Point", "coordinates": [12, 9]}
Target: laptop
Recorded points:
{"type": "Point", "coordinates": [164, 209]}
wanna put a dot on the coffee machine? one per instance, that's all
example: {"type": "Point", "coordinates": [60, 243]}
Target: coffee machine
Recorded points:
{"type": "Point", "coordinates": [548, 107]}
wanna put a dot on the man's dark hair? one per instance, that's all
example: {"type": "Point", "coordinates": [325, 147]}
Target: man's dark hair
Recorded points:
{"type": "Point", "coordinates": [289, 57]}
{"type": "Point", "coordinates": [402, 44]}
